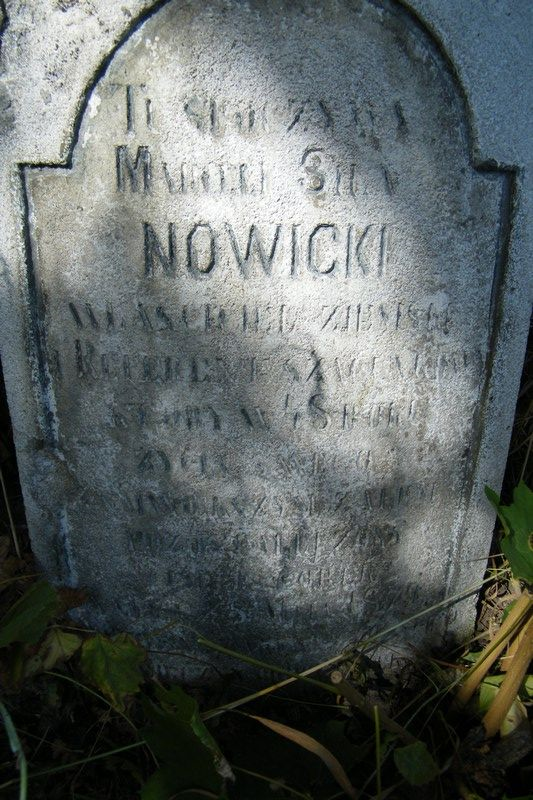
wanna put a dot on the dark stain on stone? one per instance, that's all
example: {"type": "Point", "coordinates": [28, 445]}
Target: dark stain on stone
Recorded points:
{"type": "Point", "coordinates": [402, 129]}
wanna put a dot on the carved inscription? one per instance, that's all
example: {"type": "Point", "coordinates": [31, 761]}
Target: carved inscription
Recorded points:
{"type": "Point", "coordinates": [266, 281]}
{"type": "Point", "coordinates": [359, 318]}
{"type": "Point", "coordinates": [323, 250]}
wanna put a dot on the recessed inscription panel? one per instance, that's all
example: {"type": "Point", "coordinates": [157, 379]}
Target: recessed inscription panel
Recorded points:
{"type": "Point", "coordinates": [266, 283]}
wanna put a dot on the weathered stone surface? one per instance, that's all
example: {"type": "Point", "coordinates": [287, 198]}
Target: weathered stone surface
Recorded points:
{"type": "Point", "coordinates": [264, 293]}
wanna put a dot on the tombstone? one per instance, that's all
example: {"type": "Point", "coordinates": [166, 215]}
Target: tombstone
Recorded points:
{"type": "Point", "coordinates": [264, 292]}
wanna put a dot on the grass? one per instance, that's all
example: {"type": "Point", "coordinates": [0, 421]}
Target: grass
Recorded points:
{"type": "Point", "coordinates": [67, 735]}
{"type": "Point", "coordinates": [72, 740]}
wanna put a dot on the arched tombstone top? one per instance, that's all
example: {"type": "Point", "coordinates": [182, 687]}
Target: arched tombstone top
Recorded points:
{"type": "Point", "coordinates": [264, 287]}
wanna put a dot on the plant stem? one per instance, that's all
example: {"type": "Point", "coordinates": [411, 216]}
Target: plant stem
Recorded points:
{"type": "Point", "coordinates": [507, 659]}
{"type": "Point", "coordinates": [10, 515]}
{"type": "Point", "coordinates": [511, 684]}
{"type": "Point", "coordinates": [16, 749]}
{"type": "Point", "coordinates": [491, 653]}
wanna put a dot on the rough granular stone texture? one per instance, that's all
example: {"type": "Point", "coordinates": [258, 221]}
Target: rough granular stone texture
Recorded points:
{"type": "Point", "coordinates": [264, 300]}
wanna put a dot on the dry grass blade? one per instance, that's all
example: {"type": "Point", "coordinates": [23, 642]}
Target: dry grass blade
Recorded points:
{"type": "Point", "coordinates": [303, 676]}
{"type": "Point", "coordinates": [270, 667]}
{"type": "Point", "coordinates": [357, 700]}
{"type": "Point", "coordinates": [310, 744]}
{"type": "Point", "coordinates": [214, 712]}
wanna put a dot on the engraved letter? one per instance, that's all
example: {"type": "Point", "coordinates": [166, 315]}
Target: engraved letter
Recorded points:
{"type": "Point", "coordinates": [370, 251]}
{"type": "Point", "coordinates": [201, 256]}
{"type": "Point", "coordinates": [312, 163]}
{"type": "Point", "coordinates": [319, 416]}
{"type": "Point", "coordinates": [154, 252]}
{"type": "Point", "coordinates": [254, 245]}
{"type": "Point", "coordinates": [315, 263]}
{"type": "Point", "coordinates": [126, 169]}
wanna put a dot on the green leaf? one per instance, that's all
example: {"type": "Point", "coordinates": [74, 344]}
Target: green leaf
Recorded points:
{"type": "Point", "coordinates": [507, 610]}
{"type": "Point", "coordinates": [494, 499]}
{"type": "Point", "coordinates": [487, 692]}
{"type": "Point", "coordinates": [185, 709]}
{"type": "Point", "coordinates": [517, 521]}
{"type": "Point", "coordinates": [56, 647]}
{"type": "Point", "coordinates": [162, 786]}
{"type": "Point", "coordinates": [515, 717]}
{"type": "Point", "coordinates": [189, 755]}
{"type": "Point", "coordinates": [415, 763]}
{"type": "Point", "coordinates": [349, 754]}
{"type": "Point", "coordinates": [489, 686]}
{"type": "Point", "coordinates": [471, 657]}
{"type": "Point", "coordinates": [516, 714]}
{"type": "Point", "coordinates": [27, 619]}
{"type": "Point", "coordinates": [523, 797]}
{"type": "Point", "coordinates": [113, 665]}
